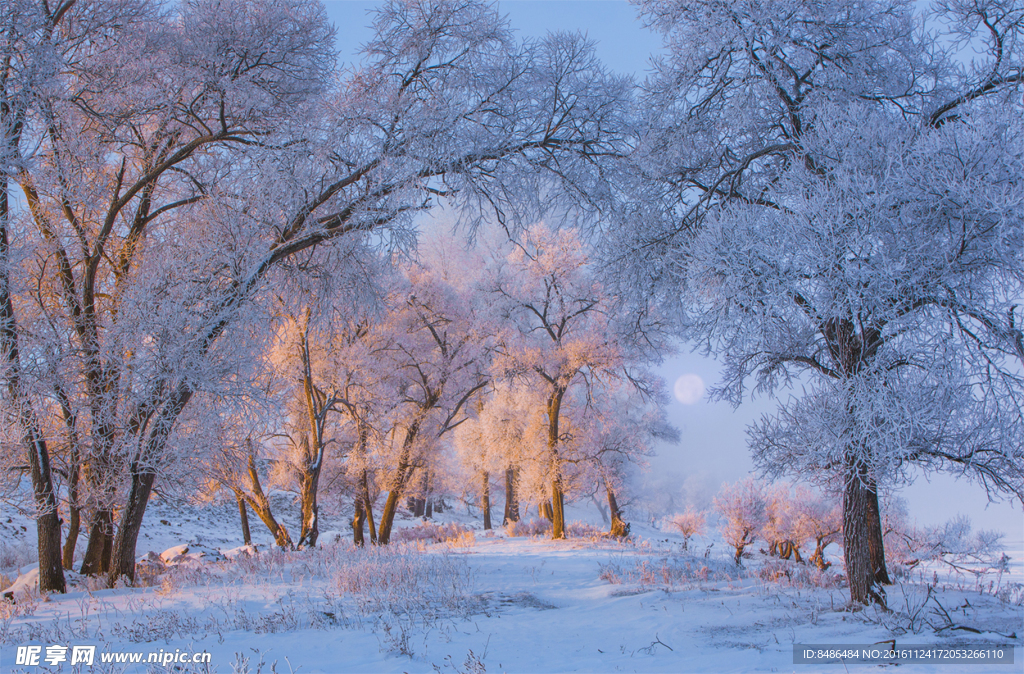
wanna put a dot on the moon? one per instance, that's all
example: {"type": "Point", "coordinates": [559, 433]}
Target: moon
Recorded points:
{"type": "Point", "coordinates": [689, 389]}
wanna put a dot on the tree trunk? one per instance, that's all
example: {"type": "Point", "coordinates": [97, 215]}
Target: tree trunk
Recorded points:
{"type": "Point", "coordinates": [51, 568]}
{"type": "Point", "coordinates": [313, 441]}
{"type": "Point", "coordinates": [398, 483]}
{"type": "Point", "coordinates": [387, 517]}
{"type": "Point", "coordinates": [122, 558]}
{"type": "Point", "coordinates": [368, 507]}
{"type": "Point", "coordinates": [876, 543]}
{"type": "Point", "coordinates": [511, 498]}
{"type": "Point", "coordinates": [261, 506]}
{"type": "Point", "coordinates": [420, 502]}
{"type": "Point", "coordinates": [557, 496]}
{"type": "Point", "coordinates": [619, 527]}
{"type": "Point", "coordinates": [310, 509]}
{"type": "Point", "coordinates": [862, 574]}
{"type": "Point", "coordinates": [358, 519]}
{"type": "Point", "coordinates": [101, 539]}
{"type": "Point", "coordinates": [74, 474]}
{"type": "Point", "coordinates": [74, 516]}
{"type": "Point", "coordinates": [486, 500]}
{"type": "Point", "coordinates": [818, 558]}
{"type": "Point", "coordinates": [243, 515]}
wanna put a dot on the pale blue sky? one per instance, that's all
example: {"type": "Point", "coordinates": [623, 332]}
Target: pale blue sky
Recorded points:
{"type": "Point", "coordinates": [713, 448]}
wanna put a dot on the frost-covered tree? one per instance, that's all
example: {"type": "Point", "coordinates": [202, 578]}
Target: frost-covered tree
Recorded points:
{"type": "Point", "coordinates": [562, 342]}
{"type": "Point", "coordinates": [440, 362]}
{"type": "Point", "coordinates": [840, 201]}
{"type": "Point", "coordinates": [174, 158]}
{"type": "Point", "coordinates": [743, 508]}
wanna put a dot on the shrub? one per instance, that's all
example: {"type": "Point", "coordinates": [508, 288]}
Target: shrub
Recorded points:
{"type": "Point", "coordinates": [532, 527]}
{"type": "Point", "coordinates": [669, 573]}
{"type": "Point", "coordinates": [430, 532]}
{"type": "Point", "coordinates": [577, 529]}
{"type": "Point", "coordinates": [797, 575]}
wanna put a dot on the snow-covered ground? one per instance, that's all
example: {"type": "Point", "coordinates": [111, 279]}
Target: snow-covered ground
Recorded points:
{"type": "Point", "coordinates": [490, 602]}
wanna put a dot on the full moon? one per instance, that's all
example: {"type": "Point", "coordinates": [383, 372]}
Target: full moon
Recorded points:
{"type": "Point", "coordinates": [689, 389]}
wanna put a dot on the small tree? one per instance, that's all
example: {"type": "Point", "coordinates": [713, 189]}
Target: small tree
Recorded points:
{"type": "Point", "coordinates": [818, 518]}
{"type": "Point", "coordinates": [690, 523]}
{"type": "Point", "coordinates": [743, 507]}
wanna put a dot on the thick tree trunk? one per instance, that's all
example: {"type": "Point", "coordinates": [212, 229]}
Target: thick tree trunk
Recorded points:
{"type": "Point", "coordinates": [486, 500]}
{"type": "Point", "coordinates": [101, 541]}
{"type": "Point", "coordinates": [876, 544]}
{"type": "Point", "coordinates": [511, 498]}
{"type": "Point", "coordinates": [619, 527]}
{"type": "Point", "coordinates": [862, 570]}
{"type": "Point", "coordinates": [51, 569]}
{"type": "Point", "coordinates": [243, 516]}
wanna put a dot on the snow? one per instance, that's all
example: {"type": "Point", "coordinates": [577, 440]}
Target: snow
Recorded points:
{"type": "Point", "coordinates": [485, 603]}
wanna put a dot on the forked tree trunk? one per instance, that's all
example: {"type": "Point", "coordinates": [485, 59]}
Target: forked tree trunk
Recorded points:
{"type": "Point", "coordinates": [788, 549]}
{"type": "Point", "coordinates": [865, 562]}
{"type": "Point", "coordinates": [486, 500]}
{"type": "Point", "coordinates": [51, 569]}
{"type": "Point", "coordinates": [818, 558]}
{"type": "Point", "coordinates": [619, 527]}
{"type": "Point", "coordinates": [243, 516]}
{"type": "Point", "coordinates": [511, 498]}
